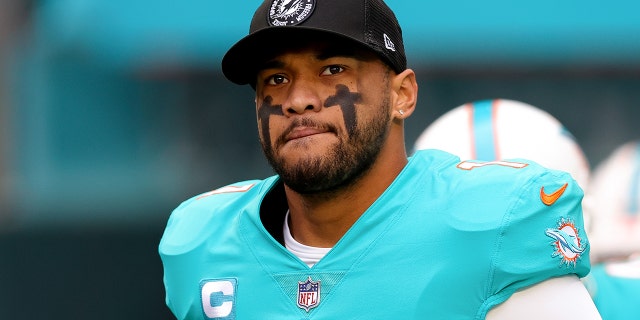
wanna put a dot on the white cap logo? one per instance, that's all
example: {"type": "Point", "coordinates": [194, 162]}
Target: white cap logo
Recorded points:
{"type": "Point", "coordinates": [290, 12]}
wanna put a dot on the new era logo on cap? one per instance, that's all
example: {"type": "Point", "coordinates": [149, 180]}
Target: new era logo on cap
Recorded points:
{"type": "Point", "coordinates": [388, 43]}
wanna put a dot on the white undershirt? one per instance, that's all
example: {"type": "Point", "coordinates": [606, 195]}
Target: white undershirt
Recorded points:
{"type": "Point", "coordinates": [308, 255]}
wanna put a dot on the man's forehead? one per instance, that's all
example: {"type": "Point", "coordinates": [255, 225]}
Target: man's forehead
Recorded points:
{"type": "Point", "coordinates": [323, 50]}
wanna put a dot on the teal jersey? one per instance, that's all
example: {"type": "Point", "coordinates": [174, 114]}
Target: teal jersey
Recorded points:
{"type": "Point", "coordinates": [446, 240]}
{"type": "Point", "coordinates": [615, 294]}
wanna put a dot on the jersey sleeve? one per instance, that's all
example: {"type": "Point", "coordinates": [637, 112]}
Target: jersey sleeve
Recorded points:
{"type": "Point", "coordinates": [193, 227]}
{"type": "Point", "coordinates": [542, 236]}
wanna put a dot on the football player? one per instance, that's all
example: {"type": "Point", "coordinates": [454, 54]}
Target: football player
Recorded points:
{"type": "Point", "coordinates": [614, 229]}
{"type": "Point", "coordinates": [350, 227]}
{"type": "Point", "coordinates": [498, 129]}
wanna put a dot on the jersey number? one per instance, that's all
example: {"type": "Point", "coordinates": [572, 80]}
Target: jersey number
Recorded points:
{"type": "Point", "coordinates": [227, 189]}
{"type": "Point", "coordinates": [218, 299]}
{"type": "Point", "coordinates": [468, 165]}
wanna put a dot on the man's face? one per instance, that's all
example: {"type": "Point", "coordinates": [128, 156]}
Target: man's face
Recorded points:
{"type": "Point", "coordinates": [323, 115]}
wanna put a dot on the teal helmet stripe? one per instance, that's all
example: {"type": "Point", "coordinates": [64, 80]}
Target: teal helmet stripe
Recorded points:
{"type": "Point", "coordinates": [483, 130]}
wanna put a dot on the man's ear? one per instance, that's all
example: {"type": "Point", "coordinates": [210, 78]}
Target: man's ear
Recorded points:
{"type": "Point", "coordinates": [405, 90]}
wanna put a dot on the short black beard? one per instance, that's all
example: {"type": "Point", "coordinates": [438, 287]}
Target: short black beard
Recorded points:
{"type": "Point", "coordinates": [341, 167]}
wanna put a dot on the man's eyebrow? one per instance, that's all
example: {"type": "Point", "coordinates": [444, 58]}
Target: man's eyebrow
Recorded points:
{"type": "Point", "coordinates": [323, 54]}
{"type": "Point", "coordinates": [271, 64]}
{"type": "Point", "coordinates": [337, 52]}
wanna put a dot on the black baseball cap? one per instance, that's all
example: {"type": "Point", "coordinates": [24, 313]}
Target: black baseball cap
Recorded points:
{"type": "Point", "coordinates": [367, 23]}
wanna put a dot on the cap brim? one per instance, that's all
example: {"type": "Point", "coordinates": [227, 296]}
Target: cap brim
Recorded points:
{"type": "Point", "coordinates": [240, 64]}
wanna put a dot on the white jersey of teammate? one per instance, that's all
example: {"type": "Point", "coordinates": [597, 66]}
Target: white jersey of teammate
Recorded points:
{"type": "Point", "coordinates": [614, 193]}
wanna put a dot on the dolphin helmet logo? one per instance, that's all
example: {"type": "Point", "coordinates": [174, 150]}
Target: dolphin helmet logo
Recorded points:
{"type": "Point", "coordinates": [569, 246]}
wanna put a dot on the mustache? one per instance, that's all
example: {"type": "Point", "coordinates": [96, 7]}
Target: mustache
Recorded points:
{"type": "Point", "coordinates": [307, 123]}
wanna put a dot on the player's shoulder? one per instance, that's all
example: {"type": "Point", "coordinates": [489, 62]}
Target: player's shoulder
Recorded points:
{"type": "Point", "coordinates": [213, 212]}
{"type": "Point", "coordinates": [520, 205]}
{"type": "Point", "coordinates": [498, 185]}
{"type": "Point", "coordinates": [480, 172]}
{"type": "Point", "coordinates": [230, 195]}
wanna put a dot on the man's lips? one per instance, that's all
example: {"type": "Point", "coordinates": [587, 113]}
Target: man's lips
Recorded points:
{"type": "Point", "coordinates": [302, 132]}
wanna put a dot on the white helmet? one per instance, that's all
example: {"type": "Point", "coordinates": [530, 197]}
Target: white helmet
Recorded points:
{"type": "Point", "coordinates": [503, 129]}
{"type": "Point", "coordinates": [614, 195]}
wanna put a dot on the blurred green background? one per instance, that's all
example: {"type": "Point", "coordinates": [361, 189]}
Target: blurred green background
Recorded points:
{"type": "Point", "coordinates": [112, 112]}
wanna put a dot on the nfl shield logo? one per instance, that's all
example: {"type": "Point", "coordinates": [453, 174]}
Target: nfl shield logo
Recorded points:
{"type": "Point", "coordinates": [308, 294]}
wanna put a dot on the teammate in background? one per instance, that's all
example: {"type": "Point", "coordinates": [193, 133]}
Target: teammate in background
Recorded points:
{"type": "Point", "coordinates": [614, 281]}
{"type": "Point", "coordinates": [350, 227]}
{"type": "Point", "coordinates": [501, 129]}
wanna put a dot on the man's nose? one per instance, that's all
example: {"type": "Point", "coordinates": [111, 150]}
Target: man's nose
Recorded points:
{"type": "Point", "coordinates": [303, 96]}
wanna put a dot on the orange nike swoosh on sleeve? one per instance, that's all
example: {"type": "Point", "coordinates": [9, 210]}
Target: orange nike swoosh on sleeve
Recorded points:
{"type": "Point", "coordinates": [550, 199]}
